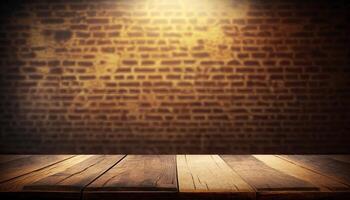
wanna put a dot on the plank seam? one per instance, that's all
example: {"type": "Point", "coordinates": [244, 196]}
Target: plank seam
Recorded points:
{"type": "Point", "coordinates": [255, 189]}
{"type": "Point", "coordinates": [337, 159]}
{"type": "Point", "coordinates": [310, 182]}
{"type": "Point", "coordinates": [313, 170]}
{"type": "Point", "coordinates": [36, 170]}
{"type": "Point", "coordinates": [82, 190]}
{"type": "Point", "coordinates": [177, 175]}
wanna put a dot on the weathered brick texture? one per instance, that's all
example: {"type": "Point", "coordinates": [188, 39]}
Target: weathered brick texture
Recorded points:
{"type": "Point", "coordinates": [174, 76]}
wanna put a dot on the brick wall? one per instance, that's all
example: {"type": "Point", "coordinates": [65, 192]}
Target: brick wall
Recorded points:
{"type": "Point", "coordinates": [179, 76]}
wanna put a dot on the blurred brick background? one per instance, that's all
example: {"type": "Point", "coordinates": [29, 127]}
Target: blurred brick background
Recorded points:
{"type": "Point", "coordinates": [161, 76]}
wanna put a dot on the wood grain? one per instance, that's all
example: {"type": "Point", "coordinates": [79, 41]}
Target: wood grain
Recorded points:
{"type": "Point", "coordinates": [76, 177]}
{"type": "Point", "coordinates": [304, 195]}
{"type": "Point", "coordinates": [264, 178]}
{"type": "Point", "coordinates": [139, 173]}
{"type": "Point", "coordinates": [154, 177]}
{"type": "Point", "coordinates": [8, 158]}
{"type": "Point", "coordinates": [19, 166]}
{"type": "Point", "coordinates": [324, 183]}
{"type": "Point", "coordinates": [208, 173]}
{"type": "Point", "coordinates": [341, 158]}
{"type": "Point", "coordinates": [17, 184]}
{"type": "Point", "coordinates": [324, 165]}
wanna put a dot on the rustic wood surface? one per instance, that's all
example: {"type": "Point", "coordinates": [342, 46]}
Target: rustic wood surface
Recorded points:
{"type": "Point", "coordinates": [138, 177]}
{"type": "Point", "coordinates": [17, 184]}
{"type": "Point", "coordinates": [139, 173]}
{"type": "Point", "coordinates": [208, 173]}
{"type": "Point", "coordinates": [264, 178]}
{"type": "Point", "coordinates": [324, 165]}
{"type": "Point", "coordinates": [76, 177]}
{"type": "Point", "coordinates": [19, 166]}
{"type": "Point", "coordinates": [7, 158]}
{"type": "Point", "coordinates": [324, 183]}
{"type": "Point", "coordinates": [342, 158]}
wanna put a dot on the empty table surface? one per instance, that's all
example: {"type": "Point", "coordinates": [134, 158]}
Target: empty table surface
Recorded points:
{"type": "Point", "coordinates": [175, 176]}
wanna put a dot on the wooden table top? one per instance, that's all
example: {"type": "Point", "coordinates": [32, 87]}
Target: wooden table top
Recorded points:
{"type": "Point", "coordinates": [175, 177]}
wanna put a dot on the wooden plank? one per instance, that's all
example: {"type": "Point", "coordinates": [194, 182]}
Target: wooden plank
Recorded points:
{"type": "Point", "coordinates": [137, 177]}
{"type": "Point", "coordinates": [341, 158]}
{"type": "Point", "coordinates": [18, 167]}
{"type": "Point", "coordinates": [139, 173]}
{"type": "Point", "coordinates": [325, 184]}
{"type": "Point", "coordinates": [8, 158]}
{"type": "Point", "coordinates": [324, 165]}
{"type": "Point", "coordinates": [76, 177]}
{"type": "Point", "coordinates": [38, 195]}
{"type": "Point", "coordinates": [304, 196]}
{"type": "Point", "coordinates": [17, 184]}
{"type": "Point", "coordinates": [263, 177]}
{"type": "Point", "coordinates": [208, 173]}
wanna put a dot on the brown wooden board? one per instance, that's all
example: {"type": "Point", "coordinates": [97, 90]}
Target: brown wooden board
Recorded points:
{"type": "Point", "coordinates": [324, 183]}
{"type": "Point", "coordinates": [39, 195]}
{"type": "Point", "coordinates": [8, 158]}
{"type": "Point", "coordinates": [209, 174]}
{"type": "Point", "coordinates": [325, 165]}
{"type": "Point", "coordinates": [303, 195]}
{"type": "Point", "coordinates": [139, 173]}
{"type": "Point", "coordinates": [70, 181]}
{"type": "Point", "coordinates": [341, 158]}
{"type": "Point", "coordinates": [137, 177]}
{"type": "Point", "coordinates": [19, 166]}
{"type": "Point", "coordinates": [263, 177]}
{"type": "Point", "coordinates": [201, 177]}
{"type": "Point", "coordinates": [17, 184]}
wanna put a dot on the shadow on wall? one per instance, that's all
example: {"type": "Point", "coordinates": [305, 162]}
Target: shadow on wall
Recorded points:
{"type": "Point", "coordinates": [156, 76]}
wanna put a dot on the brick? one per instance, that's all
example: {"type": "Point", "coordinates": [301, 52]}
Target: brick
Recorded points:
{"type": "Point", "coordinates": [85, 64]}
{"type": "Point", "coordinates": [52, 21]}
{"type": "Point", "coordinates": [56, 70]}
{"type": "Point", "coordinates": [82, 34]}
{"type": "Point", "coordinates": [87, 77]}
{"type": "Point", "coordinates": [107, 49]}
{"type": "Point", "coordinates": [234, 62]}
{"type": "Point", "coordinates": [147, 62]}
{"type": "Point", "coordinates": [170, 62]}
{"type": "Point", "coordinates": [114, 34]}
{"type": "Point", "coordinates": [130, 62]}
{"type": "Point", "coordinates": [97, 20]}
{"type": "Point", "coordinates": [211, 63]}
{"type": "Point", "coordinates": [68, 63]}
{"type": "Point", "coordinates": [144, 70]}
{"type": "Point", "coordinates": [98, 35]}
{"type": "Point", "coordinates": [117, 13]}
{"type": "Point", "coordinates": [251, 63]}
{"type": "Point", "coordinates": [135, 34]}
{"type": "Point", "coordinates": [201, 55]}
{"type": "Point", "coordinates": [53, 63]}
{"type": "Point", "coordinates": [63, 35]}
